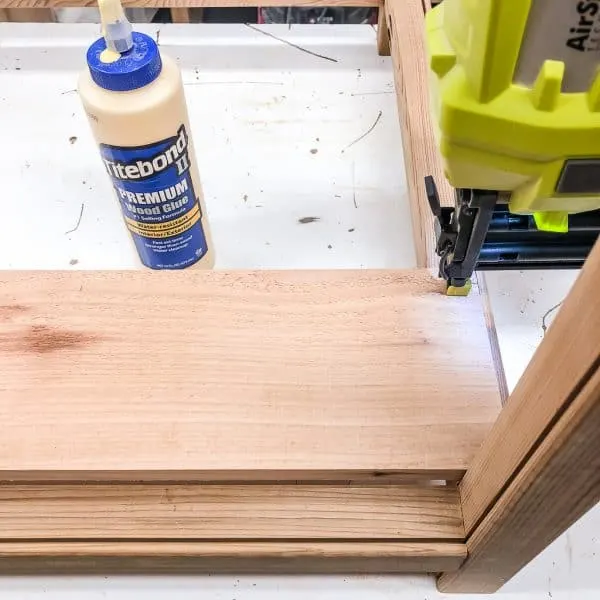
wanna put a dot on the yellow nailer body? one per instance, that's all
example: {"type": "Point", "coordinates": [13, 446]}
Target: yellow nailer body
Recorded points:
{"type": "Point", "coordinates": [515, 91]}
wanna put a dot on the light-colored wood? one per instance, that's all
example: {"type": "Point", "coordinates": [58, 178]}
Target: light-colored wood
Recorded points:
{"type": "Point", "coordinates": [383, 38]}
{"type": "Point", "coordinates": [209, 375]}
{"type": "Point", "coordinates": [480, 287]}
{"type": "Point", "coordinates": [421, 156]}
{"type": "Point", "coordinates": [228, 557]}
{"type": "Point", "coordinates": [421, 153]}
{"type": "Point", "coordinates": [569, 351]}
{"type": "Point", "coordinates": [557, 485]}
{"type": "Point", "coordinates": [245, 476]}
{"type": "Point", "coordinates": [27, 15]}
{"type": "Point", "coordinates": [183, 3]}
{"type": "Point", "coordinates": [180, 15]}
{"type": "Point", "coordinates": [230, 512]}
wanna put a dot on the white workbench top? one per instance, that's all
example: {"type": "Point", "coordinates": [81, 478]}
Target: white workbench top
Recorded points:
{"type": "Point", "coordinates": [274, 129]}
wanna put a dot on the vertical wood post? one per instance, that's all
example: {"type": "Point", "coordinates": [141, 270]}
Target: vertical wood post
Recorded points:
{"type": "Point", "coordinates": [180, 15]}
{"type": "Point", "coordinates": [539, 469]}
{"type": "Point", "coordinates": [421, 157]}
{"type": "Point", "coordinates": [383, 38]}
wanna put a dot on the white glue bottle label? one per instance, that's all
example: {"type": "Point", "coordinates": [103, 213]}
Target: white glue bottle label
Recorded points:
{"type": "Point", "coordinates": [136, 107]}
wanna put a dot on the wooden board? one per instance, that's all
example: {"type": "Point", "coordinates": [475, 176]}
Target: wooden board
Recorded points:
{"type": "Point", "coordinates": [180, 15]}
{"type": "Point", "coordinates": [421, 156]}
{"type": "Point", "coordinates": [406, 26]}
{"type": "Point", "coordinates": [183, 3]}
{"type": "Point", "coordinates": [230, 512]}
{"type": "Point", "coordinates": [228, 557]}
{"type": "Point", "coordinates": [559, 483]}
{"type": "Point", "coordinates": [383, 37]}
{"type": "Point", "coordinates": [217, 375]}
{"type": "Point", "coordinates": [568, 353]}
{"type": "Point", "coordinates": [26, 15]}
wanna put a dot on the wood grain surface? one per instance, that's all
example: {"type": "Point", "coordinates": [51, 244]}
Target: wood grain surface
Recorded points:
{"type": "Point", "coordinates": [383, 37]}
{"type": "Point", "coordinates": [180, 15]}
{"type": "Point", "coordinates": [18, 4]}
{"type": "Point", "coordinates": [196, 375]}
{"type": "Point", "coordinates": [229, 557]}
{"type": "Point", "coordinates": [406, 25]}
{"type": "Point", "coordinates": [568, 353]}
{"type": "Point", "coordinates": [26, 15]}
{"type": "Point", "coordinates": [558, 484]}
{"type": "Point", "coordinates": [229, 512]}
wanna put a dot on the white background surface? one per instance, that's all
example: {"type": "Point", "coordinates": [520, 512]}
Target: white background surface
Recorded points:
{"type": "Point", "coordinates": [258, 107]}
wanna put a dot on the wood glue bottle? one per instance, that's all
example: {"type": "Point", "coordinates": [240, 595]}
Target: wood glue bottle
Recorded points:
{"type": "Point", "coordinates": [135, 104]}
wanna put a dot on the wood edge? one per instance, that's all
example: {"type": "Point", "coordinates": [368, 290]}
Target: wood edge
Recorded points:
{"type": "Point", "coordinates": [383, 36]}
{"type": "Point", "coordinates": [405, 19]}
{"type": "Point", "coordinates": [180, 15]}
{"type": "Point", "coordinates": [258, 477]}
{"type": "Point", "coordinates": [225, 557]}
{"type": "Point", "coordinates": [530, 502]}
{"type": "Point", "coordinates": [28, 4]}
{"type": "Point", "coordinates": [27, 15]}
{"type": "Point", "coordinates": [527, 417]}
{"type": "Point", "coordinates": [488, 315]}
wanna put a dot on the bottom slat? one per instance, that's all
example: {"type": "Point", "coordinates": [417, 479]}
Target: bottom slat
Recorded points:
{"type": "Point", "coordinates": [230, 512]}
{"type": "Point", "coordinates": [191, 528]}
{"type": "Point", "coordinates": [18, 558]}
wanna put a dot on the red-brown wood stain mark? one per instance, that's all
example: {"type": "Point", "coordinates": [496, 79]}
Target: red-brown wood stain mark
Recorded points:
{"type": "Point", "coordinates": [8, 311]}
{"type": "Point", "coordinates": [42, 339]}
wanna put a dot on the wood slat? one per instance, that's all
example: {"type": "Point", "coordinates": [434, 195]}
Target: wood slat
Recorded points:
{"type": "Point", "coordinates": [182, 3]}
{"type": "Point", "coordinates": [228, 557]}
{"type": "Point", "coordinates": [406, 25]}
{"type": "Point", "coordinates": [557, 485]}
{"type": "Point", "coordinates": [180, 15]}
{"type": "Point", "coordinates": [229, 512]}
{"type": "Point", "coordinates": [27, 15]}
{"type": "Point", "coordinates": [383, 38]}
{"type": "Point", "coordinates": [566, 356]}
{"type": "Point", "coordinates": [213, 375]}
{"type": "Point", "coordinates": [421, 156]}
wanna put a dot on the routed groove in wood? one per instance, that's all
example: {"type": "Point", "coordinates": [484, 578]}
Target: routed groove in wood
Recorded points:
{"type": "Point", "coordinates": [228, 557]}
{"type": "Point", "coordinates": [229, 512]}
{"type": "Point", "coordinates": [217, 375]}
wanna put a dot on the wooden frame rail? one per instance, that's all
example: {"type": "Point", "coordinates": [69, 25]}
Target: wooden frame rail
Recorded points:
{"type": "Point", "coordinates": [40, 10]}
{"type": "Point", "coordinates": [310, 510]}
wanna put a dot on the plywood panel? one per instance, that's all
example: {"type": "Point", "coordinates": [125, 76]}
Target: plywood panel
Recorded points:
{"type": "Point", "coordinates": [209, 375]}
{"type": "Point", "coordinates": [229, 512]}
